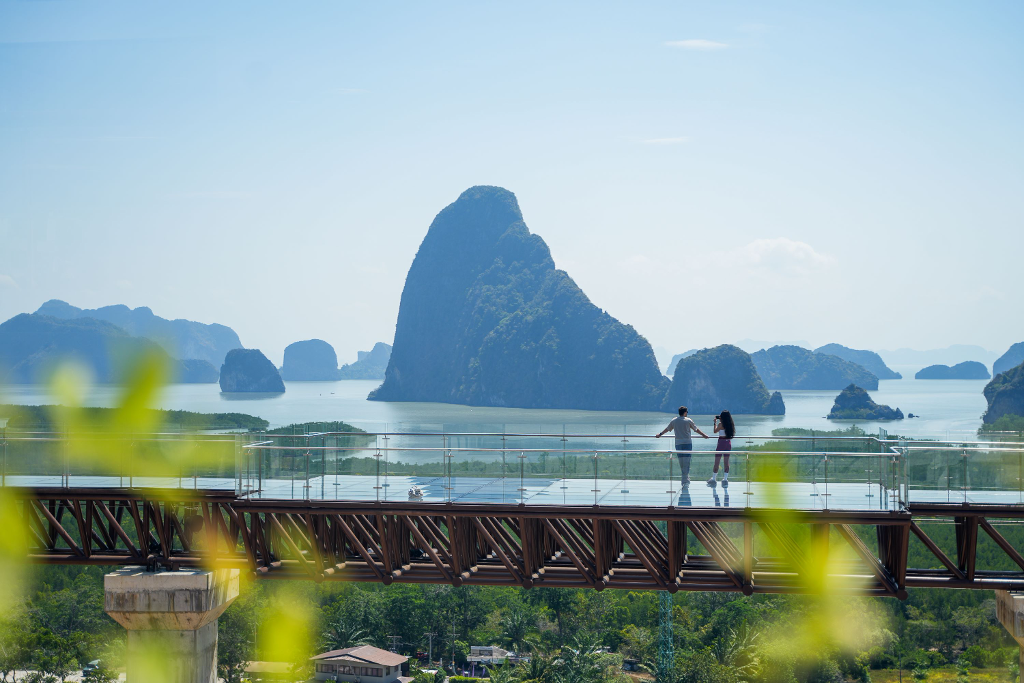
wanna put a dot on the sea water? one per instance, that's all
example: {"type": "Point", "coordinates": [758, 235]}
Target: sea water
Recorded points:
{"type": "Point", "coordinates": [948, 409]}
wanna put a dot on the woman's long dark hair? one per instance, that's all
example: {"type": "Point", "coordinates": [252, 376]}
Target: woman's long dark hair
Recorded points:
{"type": "Point", "coordinates": [728, 424]}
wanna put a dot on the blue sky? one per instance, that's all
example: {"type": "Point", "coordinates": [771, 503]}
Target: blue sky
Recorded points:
{"type": "Point", "coordinates": [707, 172]}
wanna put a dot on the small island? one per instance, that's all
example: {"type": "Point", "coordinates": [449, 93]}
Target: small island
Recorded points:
{"type": "Point", "coordinates": [248, 370]}
{"type": "Point", "coordinates": [969, 369]}
{"type": "Point", "coordinates": [854, 403]}
{"type": "Point", "coordinates": [312, 360]}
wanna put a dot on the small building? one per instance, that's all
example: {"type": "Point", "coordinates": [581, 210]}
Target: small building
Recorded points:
{"type": "Point", "coordinates": [361, 664]}
{"type": "Point", "coordinates": [488, 655]}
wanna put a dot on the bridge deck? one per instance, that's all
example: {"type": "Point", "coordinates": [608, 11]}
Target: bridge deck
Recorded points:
{"type": "Point", "coordinates": [854, 496]}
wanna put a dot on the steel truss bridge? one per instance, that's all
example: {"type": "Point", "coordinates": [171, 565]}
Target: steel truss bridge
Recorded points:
{"type": "Point", "coordinates": [536, 510]}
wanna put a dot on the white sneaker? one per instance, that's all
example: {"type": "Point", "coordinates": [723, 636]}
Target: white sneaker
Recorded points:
{"type": "Point", "coordinates": [725, 483]}
{"type": "Point", "coordinates": [713, 481]}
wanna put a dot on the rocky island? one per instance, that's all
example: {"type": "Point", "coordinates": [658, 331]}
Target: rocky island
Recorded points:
{"type": "Point", "coordinates": [1005, 394]}
{"type": "Point", "coordinates": [370, 364]}
{"type": "Point", "coordinates": [486, 319]}
{"type": "Point", "coordinates": [1013, 357]}
{"type": "Point", "coordinates": [854, 403]}
{"type": "Point", "coordinates": [312, 360]}
{"type": "Point", "coordinates": [723, 378]}
{"type": "Point", "coordinates": [969, 369]}
{"type": "Point", "coordinates": [248, 370]}
{"type": "Point", "coordinates": [794, 367]}
{"type": "Point", "coordinates": [869, 360]}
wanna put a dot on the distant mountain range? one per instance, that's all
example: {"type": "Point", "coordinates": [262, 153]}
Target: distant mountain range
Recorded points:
{"type": "Point", "coordinates": [31, 346]}
{"type": "Point", "coordinates": [370, 364]}
{"type": "Point", "coordinates": [951, 355]}
{"type": "Point", "coordinates": [180, 338]}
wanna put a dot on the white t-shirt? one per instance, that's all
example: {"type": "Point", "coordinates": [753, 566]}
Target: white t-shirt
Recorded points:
{"type": "Point", "coordinates": [682, 426]}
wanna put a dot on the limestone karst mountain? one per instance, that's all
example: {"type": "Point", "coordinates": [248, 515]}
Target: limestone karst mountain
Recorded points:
{"type": "Point", "coordinates": [1005, 394]}
{"type": "Point", "coordinates": [248, 370]}
{"type": "Point", "coordinates": [793, 367]}
{"type": "Point", "coordinates": [487, 319]}
{"type": "Point", "coordinates": [311, 360]}
{"type": "Point", "coordinates": [723, 378]}
{"type": "Point", "coordinates": [869, 360]}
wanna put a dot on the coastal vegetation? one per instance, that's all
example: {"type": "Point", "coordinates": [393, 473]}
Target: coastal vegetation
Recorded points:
{"type": "Point", "coordinates": [47, 417]}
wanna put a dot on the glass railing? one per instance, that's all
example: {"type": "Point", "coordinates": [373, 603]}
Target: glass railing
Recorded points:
{"type": "Point", "coordinates": [530, 468]}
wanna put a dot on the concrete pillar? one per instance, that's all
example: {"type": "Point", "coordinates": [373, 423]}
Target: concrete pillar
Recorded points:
{"type": "Point", "coordinates": [171, 619]}
{"type": "Point", "coordinates": [1010, 610]}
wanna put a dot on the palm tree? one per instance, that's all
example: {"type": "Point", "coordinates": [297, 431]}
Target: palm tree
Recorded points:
{"type": "Point", "coordinates": [502, 674]}
{"type": "Point", "coordinates": [537, 669]}
{"type": "Point", "coordinates": [579, 662]}
{"type": "Point", "coordinates": [341, 634]}
{"type": "Point", "coordinates": [516, 625]}
{"type": "Point", "coordinates": [741, 652]}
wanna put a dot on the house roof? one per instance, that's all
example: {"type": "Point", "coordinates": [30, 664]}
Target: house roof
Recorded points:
{"type": "Point", "coordinates": [365, 653]}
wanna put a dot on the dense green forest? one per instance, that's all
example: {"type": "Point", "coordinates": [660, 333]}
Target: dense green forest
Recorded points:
{"type": "Point", "coordinates": [45, 418]}
{"type": "Point", "coordinates": [570, 635]}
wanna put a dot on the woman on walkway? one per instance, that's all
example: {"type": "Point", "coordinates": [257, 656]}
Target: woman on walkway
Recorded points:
{"type": "Point", "coordinates": [726, 429]}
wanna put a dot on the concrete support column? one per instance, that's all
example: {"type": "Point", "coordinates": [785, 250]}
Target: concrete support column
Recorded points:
{"type": "Point", "coordinates": [171, 617]}
{"type": "Point", "coordinates": [1010, 610]}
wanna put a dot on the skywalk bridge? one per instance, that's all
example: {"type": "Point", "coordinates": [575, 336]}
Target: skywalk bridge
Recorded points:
{"type": "Point", "coordinates": [800, 514]}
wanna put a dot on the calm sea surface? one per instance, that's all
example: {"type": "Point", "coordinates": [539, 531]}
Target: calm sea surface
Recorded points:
{"type": "Point", "coordinates": [948, 409]}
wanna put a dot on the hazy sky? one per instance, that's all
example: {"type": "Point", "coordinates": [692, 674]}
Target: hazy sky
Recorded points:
{"type": "Point", "coordinates": [849, 172]}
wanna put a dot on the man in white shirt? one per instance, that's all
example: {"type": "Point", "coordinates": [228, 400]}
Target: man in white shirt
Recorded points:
{"type": "Point", "coordinates": [682, 426]}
